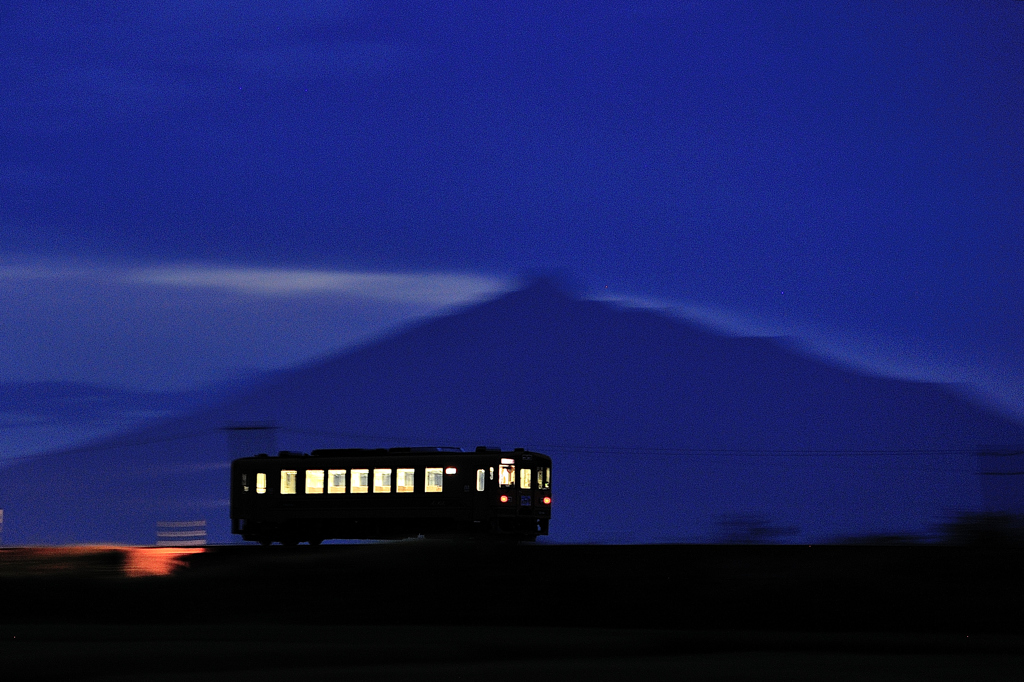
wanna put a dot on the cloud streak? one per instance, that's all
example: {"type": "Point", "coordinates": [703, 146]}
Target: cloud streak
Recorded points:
{"type": "Point", "coordinates": [886, 354]}
{"type": "Point", "coordinates": [212, 323]}
{"type": "Point", "coordinates": [433, 288]}
{"type": "Point", "coordinates": [408, 288]}
{"type": "Point", "coordinates": [182, 326]}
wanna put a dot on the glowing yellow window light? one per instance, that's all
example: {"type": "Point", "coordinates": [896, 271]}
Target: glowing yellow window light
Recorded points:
{"type": "Point", "coordinates": [314, 482]}
{"type": "Point", "coordinates": [360, 480]}
{"type": "Point", "coordinates": [406, 482]}
{"type": "Point", "coordinates": [434, 480]}
{"type": "Point", "coordinates": [261, 484]}
{"type": "Point", "coordinates": [524, 478]}
{"type": "Point", "coordinates": [289, 479]}
{"type": "Point", "coordinates": [382, 480]}
{"type": "Point", "coordinates": [335, 481]}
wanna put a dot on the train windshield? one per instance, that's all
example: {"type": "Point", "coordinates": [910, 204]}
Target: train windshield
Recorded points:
{"type": "Point", "coordinates": [524, 478]}
{"type": "Point", "coordinates": [543, 482]}
{"type": "Point", "coordinates": [507, 475]}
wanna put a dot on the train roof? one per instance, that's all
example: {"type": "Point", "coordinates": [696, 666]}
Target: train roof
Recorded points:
{"type": "Point", "coordinates": [372, 452]}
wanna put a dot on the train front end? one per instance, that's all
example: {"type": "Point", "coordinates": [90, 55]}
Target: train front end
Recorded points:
{"type": "Point", "coordinates": [516, 489]}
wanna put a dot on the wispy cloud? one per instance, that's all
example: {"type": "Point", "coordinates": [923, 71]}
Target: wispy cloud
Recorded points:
{"type": "Point", "coordinates": [179, 326]}
{"type": "Point", "coordinates": [877, 353]}
{"type": "Point", "coordinates": [717, 318]}
{"type": "Point", "coordinates": [407, 288]}
{"type": "Point", "coordinates": [435, 288]}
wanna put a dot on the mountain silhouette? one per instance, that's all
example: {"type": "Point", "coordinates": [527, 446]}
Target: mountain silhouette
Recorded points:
{"type": "Point", "coordinates": [660, 430]}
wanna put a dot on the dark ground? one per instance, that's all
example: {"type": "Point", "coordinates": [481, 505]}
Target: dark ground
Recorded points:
{"type": "Point", "coordinates": [429, 610]}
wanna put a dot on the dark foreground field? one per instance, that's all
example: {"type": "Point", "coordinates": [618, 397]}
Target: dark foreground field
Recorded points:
{"type": "Point", "coordinates": [431, 610]}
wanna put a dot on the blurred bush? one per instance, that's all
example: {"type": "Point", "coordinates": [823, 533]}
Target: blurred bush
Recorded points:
{"type": "Point", "coordinates": [984, 529]}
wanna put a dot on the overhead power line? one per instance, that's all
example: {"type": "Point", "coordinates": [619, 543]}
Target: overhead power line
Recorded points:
{"type": "Point", "coordinates": [572, 449]}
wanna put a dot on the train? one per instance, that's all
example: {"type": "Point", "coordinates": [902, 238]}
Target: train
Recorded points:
{"type": "Point", "coordinates": [392, 493]}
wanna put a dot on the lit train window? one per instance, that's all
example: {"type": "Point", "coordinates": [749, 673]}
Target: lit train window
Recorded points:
{"type": "Point", "coordinates": [491, 469]}
{"type": "Point", "coordinates": [434, 480]}
{"type": "Point", "coordinates": [481, 480]}
{"type": "Point", "coordinates": [382, 480]}
{"type": "Point", "coordinates": [360, 480]}
{"type": "Point", "coordinates": [524, 478]}
{"type": "Point", "coordinates": [543, 482]}
{"type": "Point", "coordinates": [245, 483]}
{"type": "Point", "coordinates": [406, 482]}
{"type": "Point", "coordinates": [506, 475]}
{"type": "Point", "coordinates": [547, 478]}
{"type": "Point", "coordinates": [314, 481]}
{"type": "Point", "coordinates": [335, 481]}
{"type": "Point", "coordinates": [288, 481]}
{"type": "Point", "coordinates": [261, 484]}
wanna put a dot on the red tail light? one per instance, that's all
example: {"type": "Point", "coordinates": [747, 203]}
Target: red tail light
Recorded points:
{"type": "Point", "coordinates": [503, 498]}
{"type": "Point", "coordinates": [547, 500]}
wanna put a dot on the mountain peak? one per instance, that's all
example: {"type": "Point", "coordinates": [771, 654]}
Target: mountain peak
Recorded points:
{"type": "Point", "coordinates": [550, 283]}
{"type": "Point", "coordinates": [658, 429]}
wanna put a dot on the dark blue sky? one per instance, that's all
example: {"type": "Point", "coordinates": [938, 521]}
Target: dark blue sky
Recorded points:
{"type": "Point", "coordinates": [850, 172]}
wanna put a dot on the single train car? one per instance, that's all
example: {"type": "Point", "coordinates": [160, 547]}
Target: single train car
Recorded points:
{"type": "Point", "coordinates": [389, 494]}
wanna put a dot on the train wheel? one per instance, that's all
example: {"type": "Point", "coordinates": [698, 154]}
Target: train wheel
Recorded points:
{"type": "Point", "coordinates": [266, 542]}
{"type": "Point", "coordinates": [315, 541]}
{"type": "Point", "coordinates": [289, 542]}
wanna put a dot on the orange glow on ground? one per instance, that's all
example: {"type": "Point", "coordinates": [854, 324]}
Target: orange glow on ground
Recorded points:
{"type": "Point", "coordinates": [147, 561]}
{"type": "Point", "coordinates": [93, 560]}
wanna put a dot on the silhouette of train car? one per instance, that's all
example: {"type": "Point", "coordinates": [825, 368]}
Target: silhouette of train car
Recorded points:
{"type": "Point", "coordinates": [390, 493]}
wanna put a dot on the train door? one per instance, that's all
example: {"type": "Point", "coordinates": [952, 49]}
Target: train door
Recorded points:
{"type": "Point", "coordinates": [527, 483]}
{"type": "Point", "coordinates": [482, 487]}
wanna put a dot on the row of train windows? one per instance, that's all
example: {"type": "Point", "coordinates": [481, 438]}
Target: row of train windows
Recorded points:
{"type": "Point", "coordinates": [405, 480]}
{"type": "Point", "coordinates": [356, 481]}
